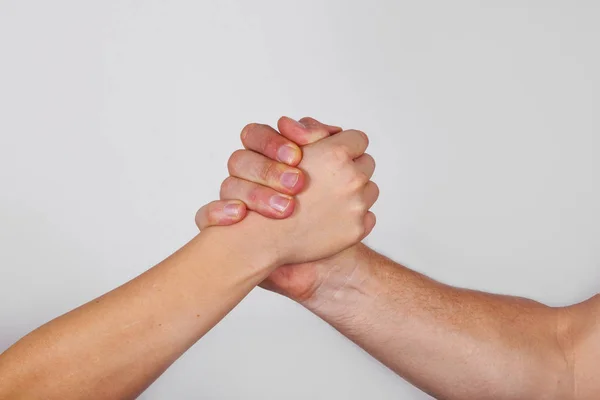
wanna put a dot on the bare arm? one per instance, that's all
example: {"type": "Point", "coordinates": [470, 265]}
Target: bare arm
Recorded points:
{"type": "Point", "coordinates": [455, 343]}
{"type": "Point", "coordinates": [116, 345]}
{"type": "Point", "coordinates": [452, 343]}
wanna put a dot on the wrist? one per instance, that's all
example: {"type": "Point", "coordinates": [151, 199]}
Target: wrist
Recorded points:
{"type": "Point", "coordinates": [247, 241]}
{"type": "Point", "coordinates": [349, 284]}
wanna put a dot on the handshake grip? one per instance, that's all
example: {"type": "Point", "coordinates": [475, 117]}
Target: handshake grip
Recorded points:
{"type": "Point", "coordinates": [310, 183]}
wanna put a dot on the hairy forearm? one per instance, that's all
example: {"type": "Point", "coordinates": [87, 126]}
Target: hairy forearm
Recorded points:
{"type": "Point", "coordinates": [115, 346]}
{"type": "Point", "coordinates": [452, 343]}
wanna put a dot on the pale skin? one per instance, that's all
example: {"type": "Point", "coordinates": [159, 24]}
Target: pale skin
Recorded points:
{"type": "Point", "coordinates": [115, 346]}
{"type": "Point", "coordinates": [450, 342]}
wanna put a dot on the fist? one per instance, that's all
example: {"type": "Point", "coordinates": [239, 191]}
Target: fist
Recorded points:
{"type": "Point", "coordinates": [332, 212]}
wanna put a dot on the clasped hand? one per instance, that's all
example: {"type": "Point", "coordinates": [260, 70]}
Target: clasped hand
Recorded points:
{"type": "Point", "coordinates": [328, 172]}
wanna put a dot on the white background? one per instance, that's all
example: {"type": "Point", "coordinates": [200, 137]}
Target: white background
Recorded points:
{"type": "Point", "coordinates": [117, 118]}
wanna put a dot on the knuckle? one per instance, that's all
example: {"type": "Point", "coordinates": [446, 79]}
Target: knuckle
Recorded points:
{"type": "Point", "coordinates": [205, 216]}
{"type": "Point", "coordinates": [338, 153]}
{"type": "Point", "coordinates": [198, 218]}
{"type": "Point", "coordinates": [213, 210]}
{"type": "Point", "coordinates": [269, 146]}
{"type": "Point", "coordinates": [234, 160]}
{"type": "Point", "coordinates": [254, 195]}
{"type": "Point", "coordinates": [362, 206]}
{"type": "Point", "coordinates": [246, 130]}
{"type": "Point", "coordinates": [211, 219]}
{"type": "Point", "coordinates": [226, 186]}
{"type": "Point", "coordinates": [375, 189]}
{"type": "Point", "coordinates": [358, 180]}
{"type": "Point", "coordinates": [363, 136]}
{"type": "Point", "coordinates": [268, 171]}
{"type": "Point", "coordinates": [256, 136]}
{"type": "Point", "coordinates": [375, 197]}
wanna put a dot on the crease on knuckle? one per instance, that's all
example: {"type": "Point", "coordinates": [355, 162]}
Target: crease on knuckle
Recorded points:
{"type": "Point", "coordinates": [254, 195]}
{"type": "Point", "coordinates": [269, 146]}
{"type": "Point", "coordinates": [268, 172]}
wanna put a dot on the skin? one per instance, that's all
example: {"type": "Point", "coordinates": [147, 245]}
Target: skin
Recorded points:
{"type": "Point", "coordinates": [452, 343]}
{"type": "Point", "coordinates": [116, 345]}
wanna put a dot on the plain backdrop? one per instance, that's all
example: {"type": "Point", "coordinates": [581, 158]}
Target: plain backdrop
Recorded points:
{"type": "Point", "coordinates": [117, 119]}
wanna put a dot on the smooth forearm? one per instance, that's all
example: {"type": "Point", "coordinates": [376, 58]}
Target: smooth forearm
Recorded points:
{"type": "Point", "coordinates": [452, 343]}
{"type": "Point", "coordinates": [116, 345]}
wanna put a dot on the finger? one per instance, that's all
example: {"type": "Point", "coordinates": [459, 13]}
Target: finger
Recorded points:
{"type": "Point", "coordinates": [312, 123]}
{"type": "Point", "coordinates": [267, 141]}
{"type": "Point", "coordinates": [365, 164]}
{"type": "Point", "coordinates": [369, 222]}
{"type": "Point", "coordinates": [251, 166]}
{"type": "Point", "coordinates": [305, 132]}
{"type": "Point", "coordinates": [220, 213]}
{"type": "Point", "coordinates": [261, 199]}
{"type": "Point", "coordinates": [370, 194]}
{"type": "Point", "coordinates": [354, 142]}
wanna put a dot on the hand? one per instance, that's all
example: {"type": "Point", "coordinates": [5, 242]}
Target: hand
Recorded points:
{"type": "Point", "coordinates": [267, 176]}
{"type": "Point", "coordinates": [333, 210]}
{"type": "Point", "coordinates": [296, 281]}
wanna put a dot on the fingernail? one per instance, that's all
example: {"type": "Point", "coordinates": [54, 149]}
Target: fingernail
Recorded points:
{"type": "Point", "coordinates": [232, 210]}
{"type": "Point", "coordinates": [287, 154]}
{"type": "Point", "coordinates": [279, 203]}
{"type": "Point", "coordinates": [289, 179]}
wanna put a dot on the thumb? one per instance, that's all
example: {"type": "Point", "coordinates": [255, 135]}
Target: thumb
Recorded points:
{"type": "Point", "coordinates": [220, 213]}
